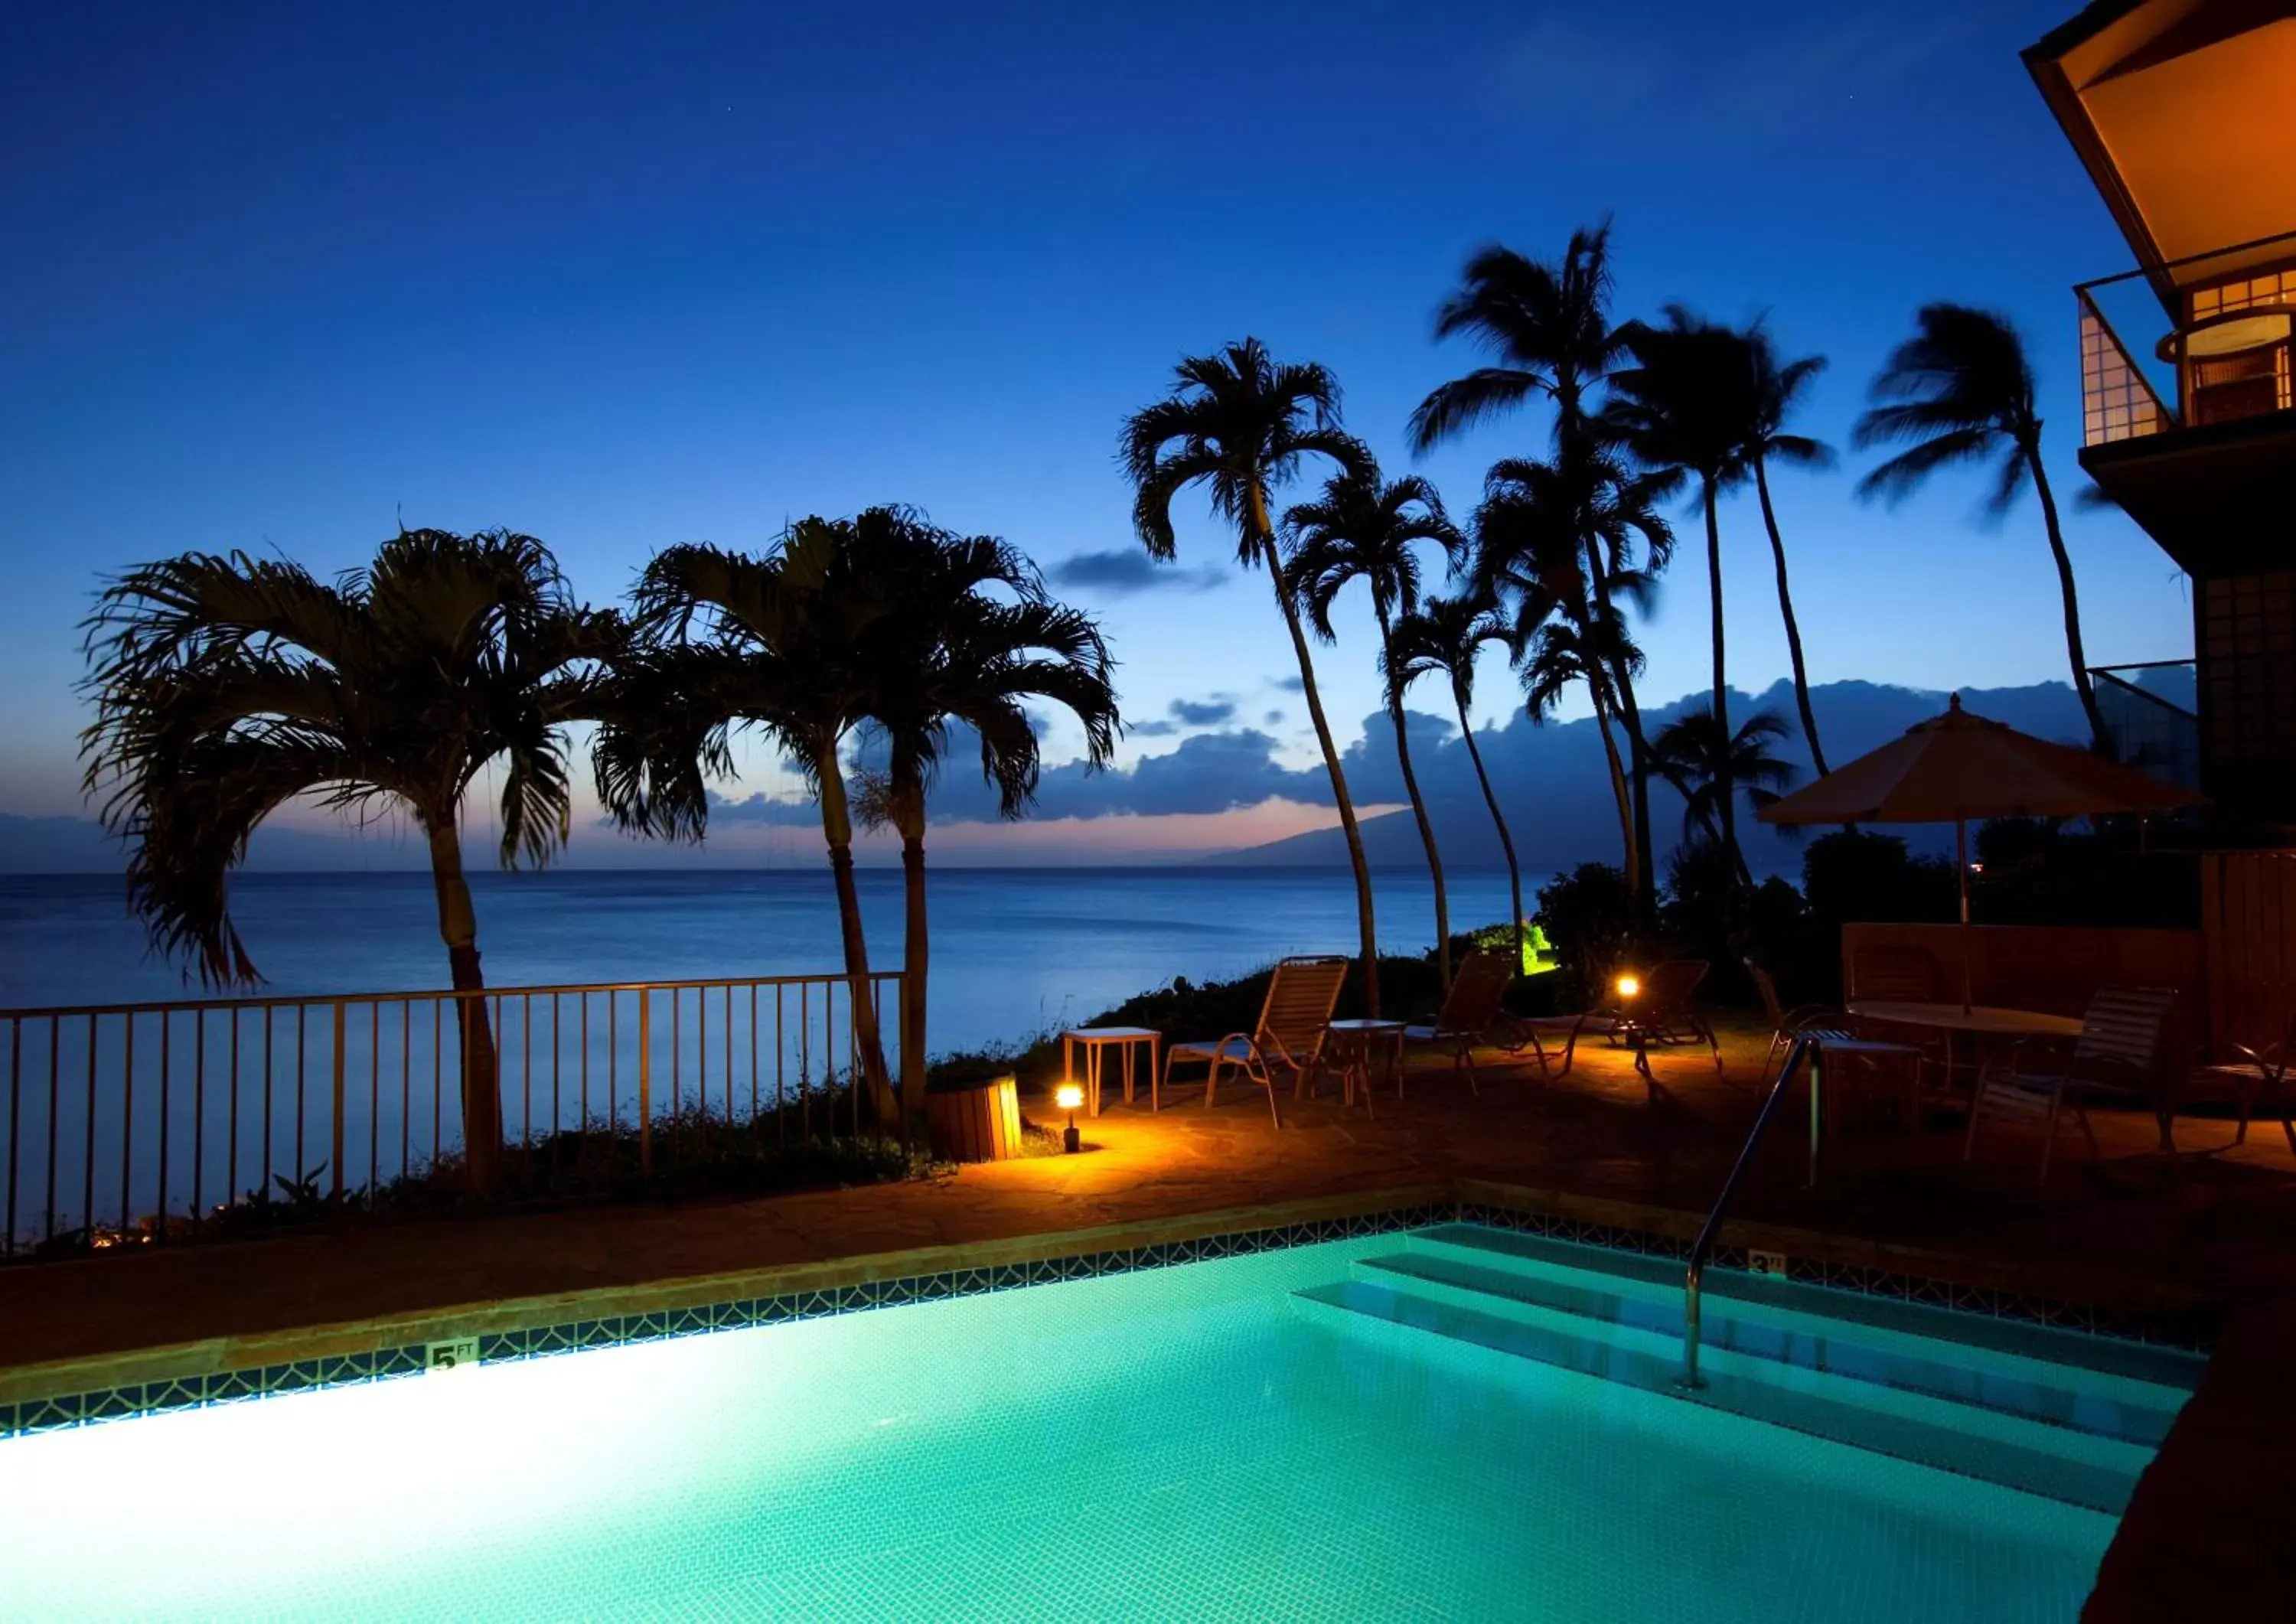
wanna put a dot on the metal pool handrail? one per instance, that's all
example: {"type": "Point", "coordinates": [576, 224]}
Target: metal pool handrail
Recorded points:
{"type": "Point", "coordinates": [1804, 1042]}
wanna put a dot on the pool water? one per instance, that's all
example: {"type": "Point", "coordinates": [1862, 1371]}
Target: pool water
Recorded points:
{"type": "Point", "coordinates": [1298, 1434]}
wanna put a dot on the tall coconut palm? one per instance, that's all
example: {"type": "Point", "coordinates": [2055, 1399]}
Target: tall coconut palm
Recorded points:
{"type": "Point", "coordinates": [227, 686]}
{"type": "Point", "coordinates": [1243, 426]}
{"type": "Point", "coordinates": [782, 643]}
{"type": "Point", "coordinates": [1682, 408]}
{"type": "Point", "coordinates": [970, 636]}
{"type": "Point", "coordinates": [1364, 529]}
{"type": "Point", "coordinates": [1556, 642]}
{"type": "Point", "coordinates": [1548, 325]}
{"type": "Point", "coordinates": [1961, 390]}
{"type": "Point", "coordinates": [1442, 637]}
{"type": "Point", "coordinates": [1580, 538]}
{"type": "Point", "coordinates": [1691, 757]}
{"type": "Point", "coordinates": [1777, 390]}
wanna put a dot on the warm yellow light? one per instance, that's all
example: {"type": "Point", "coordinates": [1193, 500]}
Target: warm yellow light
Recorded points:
{"type": "Point", "coordinates": [1628, 985]}
{"type": "Point", "coordinates": [1067, 1096]}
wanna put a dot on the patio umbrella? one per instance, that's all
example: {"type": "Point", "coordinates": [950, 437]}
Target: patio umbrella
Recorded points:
{"type": "Point", "coordinates": [1956, 767]}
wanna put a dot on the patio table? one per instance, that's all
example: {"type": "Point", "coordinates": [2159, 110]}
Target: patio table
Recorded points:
{"type": "Point", "coordinates": [1352, 1044]}
{"type": "Point", "coordinates": [1984, 1019]}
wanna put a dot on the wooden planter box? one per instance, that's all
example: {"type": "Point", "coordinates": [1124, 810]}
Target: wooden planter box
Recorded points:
{"type": "Point", "coordinates": [979, 1124]}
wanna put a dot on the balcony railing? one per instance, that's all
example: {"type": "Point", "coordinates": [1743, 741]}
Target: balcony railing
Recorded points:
{"type": "Point", "coordinates": [130, 1124]}
{"type": "Point", "coordinates": [2227, 356]}
{"type": "Point", "coordinates": [2150, 718]}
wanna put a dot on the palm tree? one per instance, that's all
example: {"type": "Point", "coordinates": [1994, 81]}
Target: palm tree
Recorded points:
{"type": "Point", "coordinates": [971, 635]}
{"type": "Point", "coordinates": [782, 643]}
{"type": "Point", "coordinates": [1442, 636]}
{"type": "Point", "coordinates": [1777, 388]}
{"type": "Point", "coordinates": [1682, 409]}
{"type": "Point", "coordinates": [1576, 538]}
{"type": "Point", "coordinates": [1689, 755]}
{"type": "Point", "coordinates": [1961, 390]}
{"type": "Point", "coordinates": [1557, 641]}
{"type": "Point", "coordinates": [1362, 529]}
{"type": "Point", "coordinates": [1242, 425]}
{"type": "Point", "coordinates": [227, 686]}
{"type": "Point", "coordinates": [1548, 324]}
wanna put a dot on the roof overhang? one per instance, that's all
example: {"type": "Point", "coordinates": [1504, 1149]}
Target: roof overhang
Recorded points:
{"type": "Point", "coordinates": [2181, 110]}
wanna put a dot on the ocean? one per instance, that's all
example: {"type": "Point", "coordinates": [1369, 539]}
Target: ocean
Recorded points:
{"type": "Point", "coordinates": [1016, 952]}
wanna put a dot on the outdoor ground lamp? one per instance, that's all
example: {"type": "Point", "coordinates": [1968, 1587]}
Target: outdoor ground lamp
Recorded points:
{"type": "Point", "coordinates": [1628, 985]}
{"type": "Point", "coordinates": [1067, 1096]}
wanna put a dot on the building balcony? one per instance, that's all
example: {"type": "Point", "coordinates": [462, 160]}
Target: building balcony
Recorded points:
{"type": "Point", "coordinates": [2192, 427]}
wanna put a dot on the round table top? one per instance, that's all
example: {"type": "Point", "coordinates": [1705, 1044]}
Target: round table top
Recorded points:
{"type": "Point", "coordinates": [1112, 1034]}
{"type": "Point", "coordinates": [1978, 1018]}
{"type": "Point", "coordinates": [1358, 1024]}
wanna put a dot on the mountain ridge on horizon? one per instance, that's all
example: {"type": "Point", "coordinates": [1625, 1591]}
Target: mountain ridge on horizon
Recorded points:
{"type": "Point", "coordinates": [1550, 777]}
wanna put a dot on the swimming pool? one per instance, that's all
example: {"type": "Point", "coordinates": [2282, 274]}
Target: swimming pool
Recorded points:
{"type": "Point", "coordinates": [1457, 1423]}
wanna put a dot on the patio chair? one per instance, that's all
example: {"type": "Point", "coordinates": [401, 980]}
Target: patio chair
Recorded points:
{"type": "Point", "coordinates": [1891, 975]}
{"type": "Point", "coordinates": [2264, 1073]}
{"type": "Point", "coordinates": [1660, 1013]}
{"type": "Point", "coordinates": [1785, 1023]}
{"type": "Point", "coordinates": [2117, 1052]}
{"type": "Point", "coordinates": [1294, 1022]}
{"type": "Point", "coordinates": [1470, 1013]}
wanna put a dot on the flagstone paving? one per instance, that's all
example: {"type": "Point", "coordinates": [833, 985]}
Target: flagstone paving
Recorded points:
{"type": "Point", "coordinates": [2217, 1225]}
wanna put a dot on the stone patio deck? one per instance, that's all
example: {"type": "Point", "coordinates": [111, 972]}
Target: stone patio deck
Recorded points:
{"type": "Point", "coordinates": [2188, 1238]}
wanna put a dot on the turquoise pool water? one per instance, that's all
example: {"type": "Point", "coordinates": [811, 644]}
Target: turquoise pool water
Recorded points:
{"type": "Point", "coordinates": [1197, 1442]}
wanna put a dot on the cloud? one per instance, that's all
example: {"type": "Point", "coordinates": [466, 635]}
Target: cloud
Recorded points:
{"type": "Point", "coordinates": [1290, 685]}
{"type": "Point", "coordinates": [1273, 718]}
{"type": "Point", "coordinates": [1202, 713]}
{"type": "Point", "coordinates": [1210, 772]}
{"type": "Point", "coordinates": [1123, 571]}
{"type": "Point", "coordinates": [1150, 730]}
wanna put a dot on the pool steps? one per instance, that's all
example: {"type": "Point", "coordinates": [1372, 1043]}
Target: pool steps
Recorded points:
{"type": "Point", "coordinates": [2069, 1416]}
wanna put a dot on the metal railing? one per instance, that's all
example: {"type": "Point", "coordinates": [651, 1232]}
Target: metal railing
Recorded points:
{"type": "Point", "coordinates": [1804, 1045]}
{"type": "Point", "coordinates": [2217, 356]}
{"type": "Point", "coordinates": [131, 1122]}
{"type": "Point", "coordinates": [2146, 723]}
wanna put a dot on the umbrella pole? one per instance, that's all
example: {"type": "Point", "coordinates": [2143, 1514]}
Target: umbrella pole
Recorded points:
{"type": "Point", "coordinates": [1961, 866]}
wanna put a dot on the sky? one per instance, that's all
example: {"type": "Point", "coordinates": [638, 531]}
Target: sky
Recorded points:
{"type": "Point", "coordinates": [278, 277]}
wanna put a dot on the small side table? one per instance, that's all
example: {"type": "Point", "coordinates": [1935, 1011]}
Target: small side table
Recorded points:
{"type": "Point", "coordinates": [1824, 1042]}
{"type": "Point", "coordinates": [1352, 1044]}
{"type": "Point", "coordinates": [1098, 1039]}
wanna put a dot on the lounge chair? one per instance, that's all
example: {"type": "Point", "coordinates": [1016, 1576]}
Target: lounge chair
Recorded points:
{"type": "Point", "coordinates": [1659, 1013]}
{"type": "Point", "coordinates": [2263, 1073]}
{"type": "Point", "coordinates": [1293, 1024]}
{"type": "Point", "coordinates": [2117, 1053]}
{"type": "Point", "coordinates": [1470, 1013]}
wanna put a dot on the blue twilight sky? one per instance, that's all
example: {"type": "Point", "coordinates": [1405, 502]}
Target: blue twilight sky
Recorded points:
{"type": "Point", "coordinates": [621, 275]}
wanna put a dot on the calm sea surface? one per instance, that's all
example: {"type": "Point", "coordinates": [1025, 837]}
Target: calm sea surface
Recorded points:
{"type": "Point", "coordinates": [1015, 952]}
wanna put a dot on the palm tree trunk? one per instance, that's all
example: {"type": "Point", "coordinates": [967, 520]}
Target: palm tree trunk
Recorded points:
{"type": "Point", "coordinates": [909, 815]}
{"type": "Point", "coordinates": [1641, 858]}
{"type": "Point", "coordinates": [1726, 794]}
{"type": "Point", "coordinates": [458, 927]}
{"type": "Point", "coordinates": [837, 828]}
{"type": "Point", "coordinates": [1506, 841]}
{"type": "Point", "coordinates": [1627, 821]}
{"type": "Point", "coordinates": [1793, 630]}
{"type": "Point", "coordinates": [1418, 810]}
{"type": "Point", "coordinates": [1366, 930]}
{"type": "Point", "coordinates": [2082, 687]}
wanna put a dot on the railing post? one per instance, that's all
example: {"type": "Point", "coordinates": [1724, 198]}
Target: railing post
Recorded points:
{"type": "Point", "coordinates": [646, 1084]}
{"type": "Point", "coordinates": [337, 1156]}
